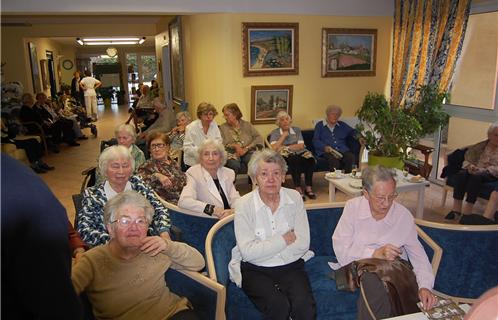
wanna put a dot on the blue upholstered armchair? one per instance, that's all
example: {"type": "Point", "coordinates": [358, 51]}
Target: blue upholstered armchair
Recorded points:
{"type": "Point", "coordinates": [468, 265]}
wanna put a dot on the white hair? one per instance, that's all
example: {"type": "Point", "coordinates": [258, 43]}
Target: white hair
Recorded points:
{"type": "Point", "coordinates": [281, 115]}
{"type": "Point", "coordinates": [267, 156]}
{"type": "Point", "coordinates": [128, 128]}
{"type": "Point", "coordinates": [113, 153]}
{"type": "Point", "coordinates": [212, 143]}
{"type": "Point", "coordinates": [129, 197]}
{"type": "Point", "coordinates": [492, 127]}
{"type": "Point", "coordinates": [370, 175]}
{"type": "Point", "coordinates": [333, 108]}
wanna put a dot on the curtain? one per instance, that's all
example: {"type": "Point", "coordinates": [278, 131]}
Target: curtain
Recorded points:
{"type": "Point", "coordinates": [427, 41]}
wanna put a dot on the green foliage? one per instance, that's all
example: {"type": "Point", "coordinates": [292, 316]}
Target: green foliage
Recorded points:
{"type": "Point", "coordinates": [106, 92]}
{"type": "Point", "coordinates": [390, 130]}
{"type": "Point", "coordinates": [65, 87]}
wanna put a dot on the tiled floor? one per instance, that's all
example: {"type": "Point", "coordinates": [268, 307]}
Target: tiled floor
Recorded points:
{"type": "Point", "coordinates": [66, 179]}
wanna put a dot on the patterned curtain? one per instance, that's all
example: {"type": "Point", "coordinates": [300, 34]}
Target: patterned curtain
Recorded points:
{"type": "Point", "coordinates": [428, 38]}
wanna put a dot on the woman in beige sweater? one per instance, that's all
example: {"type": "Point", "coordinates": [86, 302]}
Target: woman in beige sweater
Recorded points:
{"type": "Point", "coordinates": [124, 279]}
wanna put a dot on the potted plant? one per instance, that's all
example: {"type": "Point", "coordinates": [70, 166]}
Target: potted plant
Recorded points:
{"type": "Point", "coordinates": [388, 131]}
{"type": "Point", "coordinates": [107, 94]}
{"type": "Point", "coordinates": [66, 88]}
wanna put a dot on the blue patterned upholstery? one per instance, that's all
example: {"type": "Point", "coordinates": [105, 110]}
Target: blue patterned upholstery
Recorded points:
{"type": "Point", "coordinates": [331, 304]}
{"type": "Point", "coordinates": [468, 266]}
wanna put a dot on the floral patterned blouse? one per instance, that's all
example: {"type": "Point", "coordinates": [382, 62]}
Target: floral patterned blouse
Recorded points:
{"type": "Point", "coordinates": [168, 168]}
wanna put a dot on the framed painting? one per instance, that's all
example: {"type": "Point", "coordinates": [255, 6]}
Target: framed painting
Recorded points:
{"type": "Point", "coordinates": [176, 60]}
{"type": "Point", "coordinates": [270, 49]}
{"type": "Point", "coordinates": [44, 74]}
{"type": "Point", "coordinates": [267, 101]}
{"type": "Point", "coordinates": [348, 52]}
{"type": "Point", "coordinates": [35, 70]}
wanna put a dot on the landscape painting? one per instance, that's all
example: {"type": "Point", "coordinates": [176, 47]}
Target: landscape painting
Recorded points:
{"type": "Point", "coordinates": [267, 101]}
{"type": "Point", "coordinates": [348, 52]}
{"type": "Point", "coordinates": [270, 48]}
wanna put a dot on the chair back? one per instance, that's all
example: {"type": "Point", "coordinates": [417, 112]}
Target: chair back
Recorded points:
{"type": "Point", "coordinates": [468, 263]}
{"type": "Point", "coordinates": [219, 243]}
{"type": "Point", "coordinates": [323, 221]}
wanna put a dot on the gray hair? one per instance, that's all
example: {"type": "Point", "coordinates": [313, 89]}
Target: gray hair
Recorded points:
{"type": "Point", "coordinates": [370, 175]}
{"type": "Point", "coordinates": [267, 156]}
{"type": "Point", "coordinates": [128, 128]}
{"type": "Point", "coordinates": [113, 153]}
{"type": "Point", "coordinates": [280, 115]}
{"type": "Point", "coordinates": [184, 114]}
{"type": "Point", "coordinates": [333, 108]}
{"type": "Point", "coordinates": [217, 145]}
{"type": "Point", "coordinates": [492, 127]}
{"type": "Point", "coordinates": [130, 197]}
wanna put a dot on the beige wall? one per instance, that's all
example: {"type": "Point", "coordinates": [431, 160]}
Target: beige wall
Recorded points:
{"type": "Point", "coordinates": [459, 137]}
{"type": "Point", "coordinates": [213, 65]}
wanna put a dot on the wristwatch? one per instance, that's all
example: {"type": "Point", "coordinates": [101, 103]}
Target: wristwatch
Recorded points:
{"type": "Point", "coordinates": [209, 209]}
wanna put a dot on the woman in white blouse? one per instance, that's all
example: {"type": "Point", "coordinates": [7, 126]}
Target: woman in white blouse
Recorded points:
{"type": "Point", "coordinates": [199, 130]}
{"type": "Point", "coordinates": [210, 190]}
{"type": "Point", "coordinates": [272, 233]}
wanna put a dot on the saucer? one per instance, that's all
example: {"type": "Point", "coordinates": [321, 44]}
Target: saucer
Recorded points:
{"type": "Point", "coordinates": [333, 175]}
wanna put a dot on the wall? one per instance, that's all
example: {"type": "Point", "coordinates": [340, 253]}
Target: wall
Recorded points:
{"type": "Point", "coordinates": [213, 65]}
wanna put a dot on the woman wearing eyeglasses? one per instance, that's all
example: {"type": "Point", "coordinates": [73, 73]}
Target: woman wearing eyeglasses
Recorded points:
{"type": "Point", "coordinates": [161, 172]}
{"type": "Point", "coordinates": [124, 279]}
{"type": "Point", "coordinates": [116, 164]}
{"type": "Point", "coordinates": [199, 130]}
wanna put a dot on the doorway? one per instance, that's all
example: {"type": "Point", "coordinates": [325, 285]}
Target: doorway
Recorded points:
{"type": "Point", "coordinates": [51, 73]}
{"type": "Point", "coordinates": [166, 71]}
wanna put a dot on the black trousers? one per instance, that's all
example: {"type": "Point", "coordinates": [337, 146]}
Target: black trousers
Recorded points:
{"type": "Point", "coordinates": [279, 292]}
{"type": "Point", "coordinates": [32, 147]}
{"type": "Point", "coordinates": [297, 165]}
{"type": "Point", "coordinates": [377, 298]}
{"type": "Point", "coordinates": [188, 314]}
{"type": "Point", "coordinates": [470, 184]}
{"type": "Point", "coordinates": [345, 163]}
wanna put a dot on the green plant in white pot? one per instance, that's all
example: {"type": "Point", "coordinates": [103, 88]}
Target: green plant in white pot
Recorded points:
{"type": "Point", "coordinates": [388, 131]}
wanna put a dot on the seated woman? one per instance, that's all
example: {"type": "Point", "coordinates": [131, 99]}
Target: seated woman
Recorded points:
{"type": "Point", "coordinates": [240, 138]}
{"type": "Point", "coordinates": [200, 130]}
{"type": "Point", "coordinates": [144, 110]}
{"type": "Point", "coordinates": [177, 134]}
{"type": "Point", "coordinates": [289, 142]}
{"type": "Point", "coordinates": [210, 190]}
{"type": "Point", "coordinates": [273, 236]}
{"type": "Point", "coordinates": [480, 166]}
{"type": "Point", "coordinates": [161, 172]}
{"type": "Point", "coordinates": [116, 165]}
{"type": "Point", "coordinates": [124, 279]}
{"type": "Point", "coordinates": [126, 136]}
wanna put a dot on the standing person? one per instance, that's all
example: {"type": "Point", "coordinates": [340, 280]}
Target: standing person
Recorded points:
{"type": "Point", "coordinates": [240, 138]}
{"type": "Point", "coordinates": [375, 226]}
{"type": "Point", "coordinates": [36, 259]}
{"type": "Point", "coordinates": [273, 236]}
{"type": "Point", "coordinates": [330, 140]}
{"type": "Point", "coordinates": [76, 91]}
{"type": "Point", "coordinates": [199, 130]}
{"type": "Point", "coordinates": [289, 142]}
{"type": "Point", "coordinates": [89, 84]}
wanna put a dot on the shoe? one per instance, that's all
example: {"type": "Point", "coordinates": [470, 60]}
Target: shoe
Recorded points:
{"type": "Point", "coordinates": [45, 166]}
{"type": "Point", "coordinates": [83, 137]}
{"type": "Point", "coordinates": [37, 169]}
{"type": "Point", "coordinates": [73, 144]}
{"type": "Point", "coordinates": [452, 215]}
{"type": "Point", "coordinates": [93, 129]}
{"type": "Point", "coordinates": [475, 219]}
{"type": "Point", "coordinates": [310, 194]}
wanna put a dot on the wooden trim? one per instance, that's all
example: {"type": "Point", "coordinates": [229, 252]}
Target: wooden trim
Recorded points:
{"type": "Point", "coordinates": [329, 205]}
{"type": "Point", "coordinates": [213, 285]}
{"type": "Point", "coordinates": [176, 208]}
{"type": "Point", "coordinates": [438, 251]}
{"type": "Point", "coordinates": [209, 240]}
{"type": "Point", "coordinates": [456, 227]}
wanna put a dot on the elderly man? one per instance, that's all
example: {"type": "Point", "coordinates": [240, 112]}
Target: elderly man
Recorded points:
{"type": "Point", "coordinates": [374, 226]}
{"type": "Point", "coordinates": [124, 279]}
{"type": "Point", "coordinates": [329, 140]}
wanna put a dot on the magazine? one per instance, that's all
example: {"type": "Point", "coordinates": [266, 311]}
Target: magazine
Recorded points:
{"type": "Point", "coordinates": [445, 309]}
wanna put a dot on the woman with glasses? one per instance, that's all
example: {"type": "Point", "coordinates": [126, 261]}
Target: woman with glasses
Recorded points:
{"type": "Point", "coordinates": [161, 172]}
{"type": "Point", "coordinates": [273, 239]}
{"type": "Point", "coordinates": [240, 138]}
{"type": "Point", "coordinates": [116, 165]}
{"type": "Point", "coordinates": [375, 226]}
{"type": "Point", "coordinates": [124, 279]}
{"type": "Point", "coordinates": [199, 130]}
{"type": "Point", "coordinates": [210, 190]}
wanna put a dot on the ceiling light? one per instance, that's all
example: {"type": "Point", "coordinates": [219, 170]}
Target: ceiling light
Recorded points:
{"type": "Point", "coordinates": [101, 43]}
{"type": "Point", "coordinates": [112, 39]}
{"type": "Point", "coordinates": [79, 41]}
{"type": "Point", "coordinates": [142, 40]}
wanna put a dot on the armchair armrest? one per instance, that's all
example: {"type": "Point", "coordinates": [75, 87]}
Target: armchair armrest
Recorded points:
{"type": "Point", "coordinates": [40, 130]}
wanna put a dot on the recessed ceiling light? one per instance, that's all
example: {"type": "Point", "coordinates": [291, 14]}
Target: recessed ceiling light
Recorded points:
{"type": "Point", "coordinates": [111, 39]}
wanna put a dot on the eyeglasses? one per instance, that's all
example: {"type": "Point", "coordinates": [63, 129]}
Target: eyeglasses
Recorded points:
{"type": "Point", "coordinates": [209, 113]}
{"type": "Point", "coordinates": [126, 222]}
{"type": "Point", "coordinates": [388, 198]}
{"type": "Point", "coordinates": [157, 146]}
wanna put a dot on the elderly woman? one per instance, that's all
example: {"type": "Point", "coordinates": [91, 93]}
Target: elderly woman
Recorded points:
{"type": "Point", "coordinates": [240, 138]}
{"type": "Point", "coordinates": [210, 190]}
{"type": "Point", "coordinates": [124, 279]}
{"type": "Point", "coordinates": [273, 238]}
{"type": "Point", "coordinates": [480, 166]}
{"type": "Point", "coordinates": [177, 134]}
{"type": "Point", "coordinates": [289, 142]}
{"type": "Point", "coordinates": [200, 130]}
{"type": "Point", "coordinates": [116, 165]}
{"type": "Point", "coordinates": [161, 172]}
{"type": "Point", "coordinates": [126, 136]}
